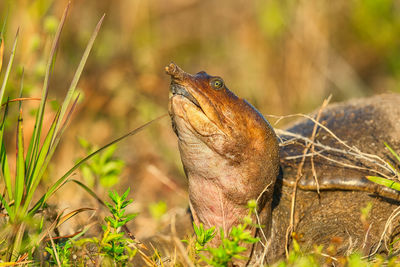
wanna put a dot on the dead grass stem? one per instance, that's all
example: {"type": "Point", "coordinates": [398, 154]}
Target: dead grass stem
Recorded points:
{"type": "Point", "coordinates": [299, 175]}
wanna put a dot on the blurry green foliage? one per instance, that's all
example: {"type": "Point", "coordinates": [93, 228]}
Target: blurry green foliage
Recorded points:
{"type": "Point", "coordinates": [158, 209]}
{"type": "Point", "coordinates": [50, 24]}
{"type": "Point", "coordinates": [103, 169]}
{"type": "Point", "coordinates": [39, 8]}
{"type": "Point", "coordinates": [62, 251]}
{"type": "Point", "coordinates": [272, 17]}
{"type": "Point", "coordinates": [299, 259]}
{"type": "Point", "coordinates": [366, 212]}
{"type": "Point", "coordinates": [377, 23]}
{"type": "Point", "coordinates": [355, 260]}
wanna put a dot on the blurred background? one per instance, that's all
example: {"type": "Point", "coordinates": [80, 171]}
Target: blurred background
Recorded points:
{"type": "Point", "coordinates": [283, 56]}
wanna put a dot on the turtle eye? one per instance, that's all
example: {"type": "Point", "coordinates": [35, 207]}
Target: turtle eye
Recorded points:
{"type": "Point", "coordinates": [217, 83]}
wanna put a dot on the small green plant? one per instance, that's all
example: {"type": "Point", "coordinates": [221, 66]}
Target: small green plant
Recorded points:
{"type": "Point", "coordinates": [113, 245]}
{"type": "Point", "coordinates": [203, 236]}
{"type": "Point", "coordinates": [61, 253]}
{"type": "Point", "coordinates": [231, 246]}
{"type": "Point", "coordinates": [102, 168]}
{"type": "Point", "coordinates": [387, 182]}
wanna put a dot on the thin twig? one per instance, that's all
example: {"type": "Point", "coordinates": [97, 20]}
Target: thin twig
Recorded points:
{"type": "Point", "coordinates": [146, 258]}
{"type": "Point", "coordinates": [54, 248]}
{"type": "Point", "coordinates": [353, 166]}
{"type": "Point", "coordinates": [258, 217]}
{"type": "Point", "coordinates": [392, 216]}
{"type": "Point", "coordinates": [267, 242]}
{"type": "Point", "coordinates": [178, 243]}
{"type": "Point", "coordinates": [299, 175]}
{"type": "Point", "coordinates": [366, 236]}
{"type": "Point", "coordinates": [328, 256]}
{"type": "Point", "coordinates": [357, 151]}
{"type": "Point", "coordinates": [324, 148]}
{"type": "Point", "coordinates": [21, 99]}
{"type": "Point", "coordinates": [314, 132]}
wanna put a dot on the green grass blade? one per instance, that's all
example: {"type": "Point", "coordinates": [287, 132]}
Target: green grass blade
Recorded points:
{"type": "Point", "coordinates": [47, 144]}
{"type": "Point", "coordinates": [71, 214]}
{"type": "Point", "coordinates": [1, 50]}
{"type": "Point", "coordinates": [63, 179]}
{"type": "Point", "coordinates": [393, 152]}
{"type": "Point", "coordinates": [5, 170]}
{"type": "Point", "coordinates": [42, 155]}
{"type": "Point", "coordinates": [57, 136]}
{"type": "Point", "coordinates": [8, 70]}
{"type": "Point", "coordinates": [40, 166]}
{"type": "Point", "coordinates": [78, 73]}
{"type": "Point", "coordinates": [52, 149]}
{"type": "Point", "coordinates": [33, 149]}
{"type": "Point", "coordinates": [10, 212]}
{"type": "Point", "coordinates": [3, 29]}
{"type": "Point", "coordinates": [385, 182]}
{"type": "Point", "coordinates": [20, 165]}
{"type": "Point", "coordinates": [90, 191]}
{"type": "Point", "coordinates": [44, 198]}
{"type": "Point", "coordinates": [2, 43]}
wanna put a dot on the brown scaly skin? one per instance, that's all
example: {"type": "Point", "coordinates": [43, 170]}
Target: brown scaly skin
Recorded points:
{"type": "Point", "coordinates": [230, 155]}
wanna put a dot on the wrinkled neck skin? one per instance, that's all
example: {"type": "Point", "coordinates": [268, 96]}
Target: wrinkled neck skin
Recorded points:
{"type": "Point", "coordinates": [219, 188]}
{"type": "Point", "coordinates": [217, 191]}
{"type": "Point", "coordinates": [228, 150]}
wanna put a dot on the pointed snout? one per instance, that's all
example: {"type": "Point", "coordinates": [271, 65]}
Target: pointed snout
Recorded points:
{"type": "Point", "coordinates": [175, 72]}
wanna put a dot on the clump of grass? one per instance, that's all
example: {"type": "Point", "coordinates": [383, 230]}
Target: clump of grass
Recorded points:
{"type": "Point", "coordinates": [23, 224]}
{"type": "Point", "coordinates": [32, 161]}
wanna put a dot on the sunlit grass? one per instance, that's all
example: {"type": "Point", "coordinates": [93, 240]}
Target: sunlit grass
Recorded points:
{"type": "Point", "coordinates": [23, 227]}
{"type": "Point", "coordinates": [21, 189]}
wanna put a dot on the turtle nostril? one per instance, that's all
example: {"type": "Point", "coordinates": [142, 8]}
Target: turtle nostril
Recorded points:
{"type": "Point", "coordinates": [175, 72]}
{"type": "Point", "coordinates": [171, 69]}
